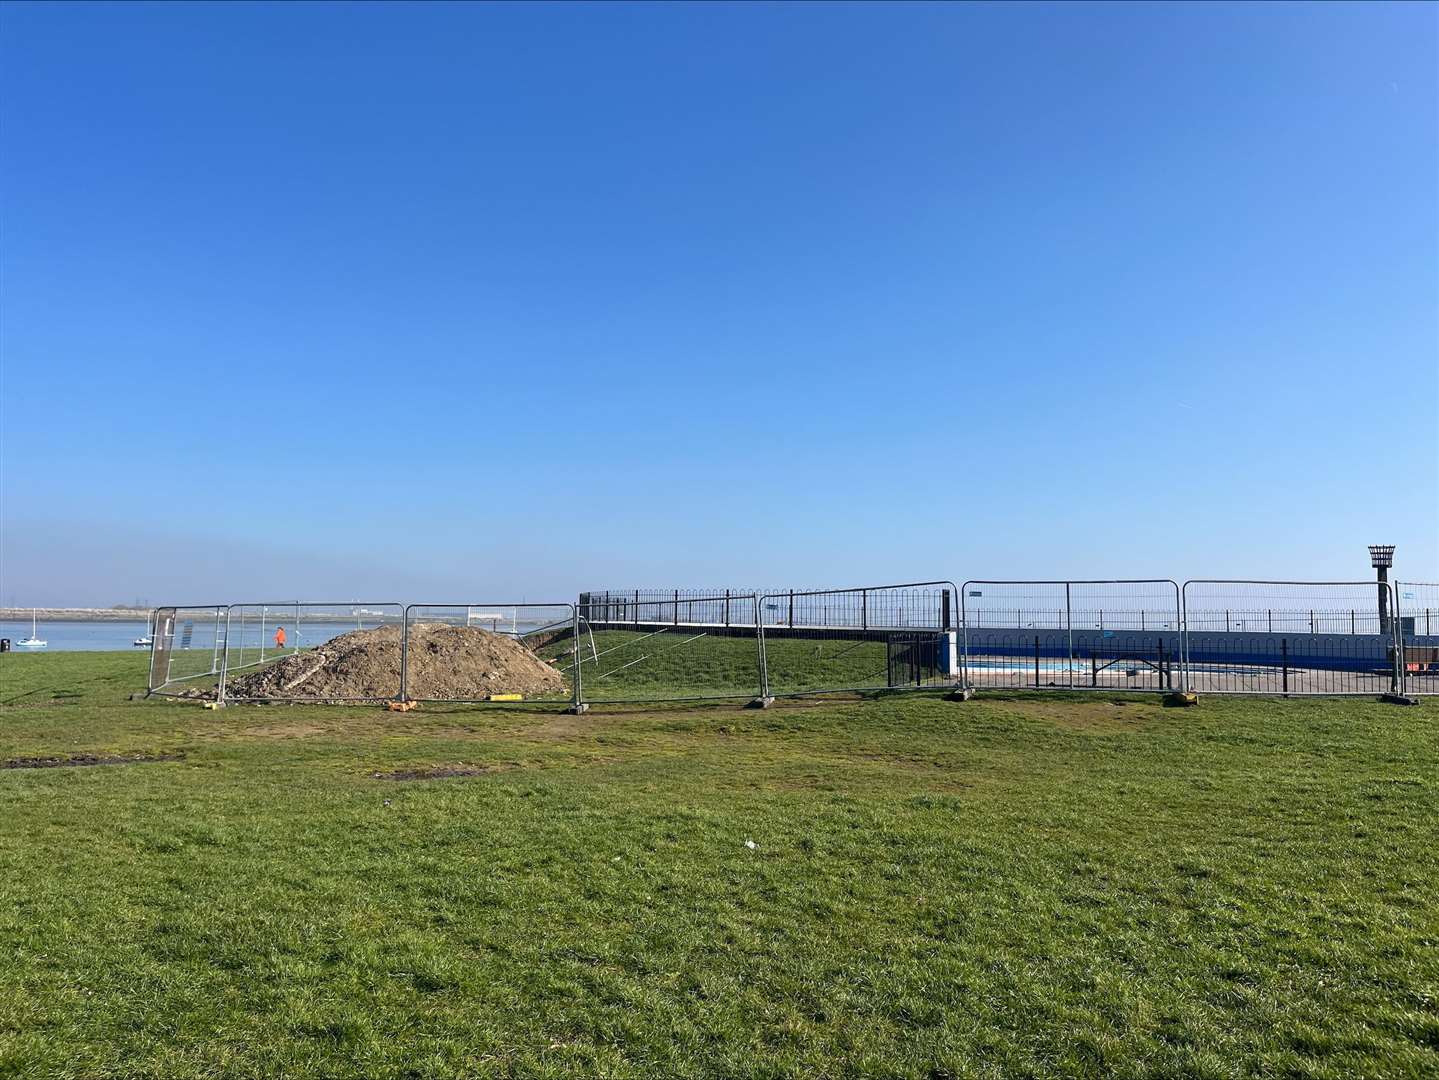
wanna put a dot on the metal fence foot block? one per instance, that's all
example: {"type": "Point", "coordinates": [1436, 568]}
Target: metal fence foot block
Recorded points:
{"type": "Point", "coordinates": [1398, 699]}
{"type": "Point", "coordinates": [1181, 699]}
{"type": "Point", "coordinates": [578, 710]}
{"type": "Point", "coordinates": [761, 703]}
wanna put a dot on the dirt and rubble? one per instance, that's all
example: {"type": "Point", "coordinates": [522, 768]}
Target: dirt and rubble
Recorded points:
{"type": "Point", "coordinates": [445, 662]}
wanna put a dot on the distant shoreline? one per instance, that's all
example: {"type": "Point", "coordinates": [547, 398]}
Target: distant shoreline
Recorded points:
{"type": "Point", "coordinates": [278, 613]}
{"type": "Point", "coordinates": [70, 614]}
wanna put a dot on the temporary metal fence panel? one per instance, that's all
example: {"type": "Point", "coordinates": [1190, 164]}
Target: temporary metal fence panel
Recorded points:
{"type": "Point", "coordinates": [291, 650]}
{"type": "Point", "coordinates": [683, 648]}
{"type": "Point", "coordinates": [260, 633]}
{"type": "Point", "coordinates": [1072, 635]}
{"type": "Point", "coordinates": [882, 637]}
{"type": "Point", "coordinates": [1290, 637]}
{"type": "Point", "coordinates": [1418, 607]}
{"type": "Point", "coordinates": [447, 658]}
{"type": "Point", "coordinates": [187, 647]}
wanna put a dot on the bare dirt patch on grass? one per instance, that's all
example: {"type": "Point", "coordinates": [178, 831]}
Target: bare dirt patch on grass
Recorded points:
{"type": "Point", "coordinates": [52, 698]}
{"type": "Point", "coordinates": [865, 772]}
{"type": "Point", "coordinates": [443, 772]}
{"type": "Point", "coordinates": [298, 730]}
{"type": "Point", "coordinates": [84, 760]}
{"type": "Point", "coordinates": [1096, 715]}
{"type": "Point", "coordinates": [565, 727]}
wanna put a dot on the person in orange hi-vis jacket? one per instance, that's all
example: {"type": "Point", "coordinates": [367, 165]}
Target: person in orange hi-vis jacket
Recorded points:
{"type": "Point", "coordinates": [279, 637]}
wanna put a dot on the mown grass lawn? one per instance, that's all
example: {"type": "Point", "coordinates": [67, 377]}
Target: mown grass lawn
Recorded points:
{"type": "Point", "coordinates": [1015, 886]}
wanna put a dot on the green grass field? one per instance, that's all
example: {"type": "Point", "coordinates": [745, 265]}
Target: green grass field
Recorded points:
{"type": "Point", "coordinates": [1013, 886]}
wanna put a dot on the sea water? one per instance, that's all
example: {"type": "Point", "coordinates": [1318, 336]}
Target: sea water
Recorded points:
{"type": "Point", "coordinates": [106, 635]}
{"type": "Point", "coordinates": [99, 635]}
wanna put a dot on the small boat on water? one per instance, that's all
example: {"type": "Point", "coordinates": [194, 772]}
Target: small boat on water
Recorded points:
{"type": "Point", "coordinates": [147, 639]}
{"type": "Point", "coordinates": [31, 642]}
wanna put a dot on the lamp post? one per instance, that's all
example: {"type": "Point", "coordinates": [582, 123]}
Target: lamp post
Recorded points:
{"type": "Point", "coordinates": [1381, 557]}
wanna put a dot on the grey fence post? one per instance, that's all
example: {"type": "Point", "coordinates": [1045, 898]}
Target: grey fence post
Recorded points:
{"type": "Point", "coordinates": [964, 637]}
{"type": "Point", "coordinates": [1182, 600]}
{"type": "Point", "coordinates": [759, 640]}
{"type": "Point", "coordinates": [170, 646]}
{"type": "Point", "coordinates": [215, 651]}
{"type": "Point", "coordinates": [964, 628]}
{"type": "Point", "coordinates": [405, 653]}
{"type": "Point", "coordinates": [1399, 678]}
{"type": "Point", "coordinates": [1069, 627]}
{"type": "Point", "coordinates": [578, 693]}
{"type": "Point", "coordinates": [1182, 625]}
{"type": "Point", "coordinates": [224, 659]}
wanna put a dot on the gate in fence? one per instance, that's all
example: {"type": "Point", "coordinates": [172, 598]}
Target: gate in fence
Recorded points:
{"type": "Point", "coordinates": [187, 648]}
{"type": "Point", "coordinates": [1073, 635]}
{"type": "Point", "coordinates": [1417, 608]}
{"type": "Point", "coordinates": [1290, 637]}
{"type": "Point", "coordinates": [881, 637]}
{"type": "Point", "coordinates": [533, 653]}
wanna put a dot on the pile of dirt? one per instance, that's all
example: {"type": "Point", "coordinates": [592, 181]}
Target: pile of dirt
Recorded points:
{"type": "Point", "coordinates": [445, 662]}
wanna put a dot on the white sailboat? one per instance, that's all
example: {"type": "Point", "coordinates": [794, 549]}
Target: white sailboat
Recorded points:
{"type": "Point", "coordinates": [31, 642]}
{"type": "Point", "coordinates": [147, 639]}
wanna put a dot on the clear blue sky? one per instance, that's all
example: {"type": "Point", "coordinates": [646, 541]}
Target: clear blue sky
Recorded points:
{"type": "Point", "coordinates": [457, 302]}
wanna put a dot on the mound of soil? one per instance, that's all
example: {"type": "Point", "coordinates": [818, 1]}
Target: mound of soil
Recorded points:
{"type": "Point", "coordinates": [445, 662]}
